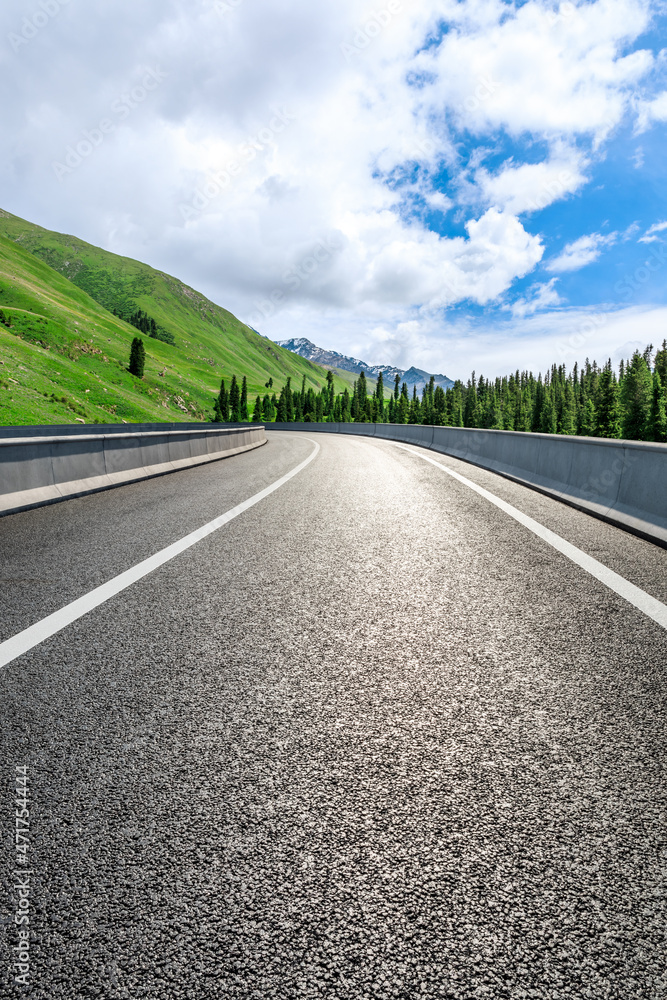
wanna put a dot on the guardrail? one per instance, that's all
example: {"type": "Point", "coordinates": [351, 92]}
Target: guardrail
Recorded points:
{"type": "Point", "coordinates": [42, 465]}
{"type": "Point", "coordinates": [621, 482]}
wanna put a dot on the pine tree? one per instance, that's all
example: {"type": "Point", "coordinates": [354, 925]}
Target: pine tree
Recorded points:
{"type": "Point", "coordinates": [281, 408]}
{"type": "Point", "coordinates": [658, 418]}
{"type": "Point", "coordinates": [568, 420]}
{"type": "Point", "coordinates": [346, 408]}
{"type": "Point", "coordinates": [496, 414]}
{"type": "Point", "coordinates": [354, 403]}
{"type": "Point", "coordinates": [379, 396]}
{"type": "Point", "coordinates": [589, 420]}
{"type": "Point", "coordinates": [362, 396]}
{"type": "Point", "coordinates": [439, 406]}
{"type": "Point", "coordinates": [257, 412]}
{"type": "Point", "coordinates": [331, 392]}
{"type": "Point", "coordinates": [549, 421]}
{"type": "Point", "coordinates": [414, 412]}
{"type": "Point", "coordinates": [243, 405]}
{"type": "Point", "coordinates": [636, 399]}
{"type": "Point", "coordinates": [661, 364]}
{"type": "Point", "coordinates": [137, 358]}
{"type": "Point", "coordinates": [538, 404]}
{"type": "Point", "coordinates": [234, 401]}
{"type": "Point", "coordinates": [268, 412]}
{"type": "Point", "coordinates": [455, 405]}
{"type": "Point", "coordinates": [403, 406]}
{"type": "Point", "coordinates": [289, 401]}
{"type": "Point", "coordinates": [470, 409]}
{"type": "Point", "coordinates": [521, 414]}
{"type": "Point", "coordinates": [221, 405]}
{"type": "Point", "coordinates": [608, 414]}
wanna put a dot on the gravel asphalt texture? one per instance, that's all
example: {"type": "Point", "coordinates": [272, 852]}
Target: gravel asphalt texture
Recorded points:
{"type": "Point", "coordinates": [372, 739]}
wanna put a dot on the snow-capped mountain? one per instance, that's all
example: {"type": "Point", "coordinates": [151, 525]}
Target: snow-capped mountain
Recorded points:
{"type": "Point", "coordinates": [329, 359]}
{"type": "Point", "coordinates": [332, 359]}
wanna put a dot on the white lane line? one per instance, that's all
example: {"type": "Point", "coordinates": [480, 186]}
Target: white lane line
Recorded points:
{"type": "Point", "coordinates": [30, 637]}
{"type": "Point", "coordinates": [633, 595]}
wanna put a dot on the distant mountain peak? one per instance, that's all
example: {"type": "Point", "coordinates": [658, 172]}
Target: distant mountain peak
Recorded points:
{"type": "Point", "coordinates": [333, 359]}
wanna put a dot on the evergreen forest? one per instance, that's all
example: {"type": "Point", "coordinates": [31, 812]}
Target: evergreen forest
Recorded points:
{"type": "Point", "coordinates": [589, 400]}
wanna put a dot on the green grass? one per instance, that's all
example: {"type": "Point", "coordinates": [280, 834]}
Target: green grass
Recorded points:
{"type": "Point", "coordinates": [64, 356]}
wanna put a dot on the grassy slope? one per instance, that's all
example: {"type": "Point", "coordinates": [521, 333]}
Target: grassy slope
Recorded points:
{"type": "Point", "coordinates": [57, 293]}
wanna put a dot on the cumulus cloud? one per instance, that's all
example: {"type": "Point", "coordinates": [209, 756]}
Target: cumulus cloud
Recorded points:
{"type": "Point", "coordinates": [540, 296]}
{"type": "Point", "coordinates": [274, 130]}
{"type": "Point", "coordinates": [651, 111]}
{"type": "Point", "coordinates": [581, 252]}
{"type": "Point", "coordinates": [529, 69]}
{"type": "Point", "coordinates": [530, 187]}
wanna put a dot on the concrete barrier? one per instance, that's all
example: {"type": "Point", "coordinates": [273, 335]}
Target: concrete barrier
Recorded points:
{"type": "Point", "coordinates": [41, 465]}
{"type": "Point", "coordinates": [621, 482]}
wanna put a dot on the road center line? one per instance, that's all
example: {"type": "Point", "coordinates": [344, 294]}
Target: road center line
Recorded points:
{"type": "Point", "coordinates": [37, 633]}
{"type": "Point", "coordinates": [633, 595]}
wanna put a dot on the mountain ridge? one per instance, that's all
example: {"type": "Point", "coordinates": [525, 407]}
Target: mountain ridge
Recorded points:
{"type": "Point", "coordinates": [413, 377]}
{"type": "Point", "coordinates": [65, 340]}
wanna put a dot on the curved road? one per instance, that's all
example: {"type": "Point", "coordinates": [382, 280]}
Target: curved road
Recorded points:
{"type": "Point", "coordinates": [372, 738]}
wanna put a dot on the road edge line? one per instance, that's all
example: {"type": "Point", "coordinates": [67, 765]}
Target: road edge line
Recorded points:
{"type": "Point", "coordinates": [35, 634]}
{"type": "Point", "coordinates": [638, 598]}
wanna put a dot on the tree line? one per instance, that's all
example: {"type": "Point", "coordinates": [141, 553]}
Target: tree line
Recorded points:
{"type": "Point", "coordinates": [589, 400]}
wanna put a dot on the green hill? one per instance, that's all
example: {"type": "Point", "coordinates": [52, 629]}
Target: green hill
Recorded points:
{"type": "Point", "coordinates": [64, 354]}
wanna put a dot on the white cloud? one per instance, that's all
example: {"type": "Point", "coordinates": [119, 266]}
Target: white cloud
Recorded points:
{"type": "Point", "coordinates": [650, 236]}
{"type": "Point", "coordinates": [530, 187]}
{"type": "Point", "coordinates": [414, 268]}
{"type": "Point", "coordinates": [454, 346]}
{"type": "Point", "coordinates": [526, 70]}
{"type": "Point", "coordinates": [652, 111]}
{"type": "Point", "coordinates": [581, 252]}
{"type": "Point", "coordinates": [540, 297]}
{"type": "Point", "coordinates": [630, 231]}
{"type": "Point", "coordinates": [557, 82]}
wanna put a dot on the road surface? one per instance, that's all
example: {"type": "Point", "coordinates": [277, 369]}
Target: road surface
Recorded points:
{"type": "Point", "coordinates": [371, 738]}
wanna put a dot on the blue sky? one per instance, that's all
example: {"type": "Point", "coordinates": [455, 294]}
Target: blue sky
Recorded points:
{"type": "Point", "coordinates": [454, 185]}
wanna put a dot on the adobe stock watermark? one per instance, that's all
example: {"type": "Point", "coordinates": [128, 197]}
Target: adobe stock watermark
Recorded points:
{"type": "Point", "coordinates": [223, 7]}
{"type": "Point", "coordinates": [370, 29]}
{"type": "Point", "coordinates": [602, 488]}
{"type": "Point", "coordinates": [625, 287]}
{"type": "Point", "coordinates": [220, 180]}
{"type": "Point", "coordinates": [630, 283]}
{"type": "Point", "coordinates": [294, 277]}
{"type": "Point", "coordinates": [121, 109]}
{"type": "Point", "coordinates": [585, 330]}
{"type": "Point", "coordinates": [564, 183]}
{"type": "Point", "coordinates": [485, 89]}
{"type": "Point", "coordinates": [422, 150]}
{"type": "Point", "coordinates": [22, 874]}
{"type": "Point", "coordinates": [36, 22]}
{"type": "Point", "coordinates": [565, 10]}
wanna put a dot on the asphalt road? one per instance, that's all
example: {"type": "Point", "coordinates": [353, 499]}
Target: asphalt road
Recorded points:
{"type": "Point", "coordinates": [371, 739]}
